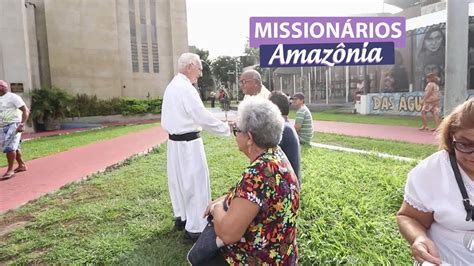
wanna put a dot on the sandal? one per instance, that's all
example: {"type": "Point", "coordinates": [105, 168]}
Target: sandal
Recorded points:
{"type": "Point", "coordinates": [20, 169]}
{"type": "Point", "coordinates": [423, 128]}
{"type": "Point", "coordinates": [8, 175]}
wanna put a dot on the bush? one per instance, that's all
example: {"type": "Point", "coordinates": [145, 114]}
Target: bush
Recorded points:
{"type": "Point", "coordinates": [48, 104]}
{"type": "Point", "coordinates": [86, 105]}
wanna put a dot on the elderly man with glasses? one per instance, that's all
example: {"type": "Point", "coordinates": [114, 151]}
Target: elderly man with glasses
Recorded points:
{"type": "Point", "coordinates": [251, 83]}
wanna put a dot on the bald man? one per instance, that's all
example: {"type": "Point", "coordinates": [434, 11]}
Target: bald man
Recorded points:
{"type": "Point", "coordinates": [251, 83]}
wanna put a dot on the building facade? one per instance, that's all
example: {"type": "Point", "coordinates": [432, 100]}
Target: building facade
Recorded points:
{"type": "Point", "coordinates": [108, 48]}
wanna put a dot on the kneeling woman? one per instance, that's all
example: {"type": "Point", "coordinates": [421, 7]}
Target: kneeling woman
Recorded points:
{"type": "Point", "coordinates": [259, 226]}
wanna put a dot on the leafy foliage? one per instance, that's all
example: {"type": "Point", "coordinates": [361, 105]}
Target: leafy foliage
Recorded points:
{"type": "Point", "coordinates": [224, 68]}
{"type": "Point", "coordinates": [252, 55]}
{"type": "Point", "coordinates": [206, 82]}
{"type": "Point", "coordinates": [252, 58]}
{"type": "Point", "coordinates": [49, 104]}
{"type": "Point", "coordinates": [89, 105]}
{"type": "Point", "coordinates": [130, 106]}
{"type": "Point", "coordinates": [221, 67]}
{"type": "Point", "coordinates": [54, 103]}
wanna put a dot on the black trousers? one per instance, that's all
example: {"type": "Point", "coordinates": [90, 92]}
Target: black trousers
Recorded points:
{"type": "Point", "coordinates": [218, 260]}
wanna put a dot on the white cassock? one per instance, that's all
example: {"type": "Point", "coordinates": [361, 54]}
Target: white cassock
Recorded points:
{"type": "Point", "coordinates": [188, 175]}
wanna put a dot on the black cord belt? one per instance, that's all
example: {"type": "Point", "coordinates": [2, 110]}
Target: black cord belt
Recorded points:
{"type": "Point", "coordinates": [185, 137]}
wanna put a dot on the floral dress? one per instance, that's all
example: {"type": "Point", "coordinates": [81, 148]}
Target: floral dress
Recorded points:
{"type": "Point", "coordinates": [271, 237]}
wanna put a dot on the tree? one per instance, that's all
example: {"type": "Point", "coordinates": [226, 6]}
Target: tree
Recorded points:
{"type": "Point", "coordinates": [252, 58]}
{"type": "Point", "coordinates": [206, 82]}
{"type": "Point", "coordinates": [252, 55]}
{"type": "Point", "coordinates": [221, 67]}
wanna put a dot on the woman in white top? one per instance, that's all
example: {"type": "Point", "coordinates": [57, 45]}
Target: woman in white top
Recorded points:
{"type": "Point", "coordinates": [433, 217]}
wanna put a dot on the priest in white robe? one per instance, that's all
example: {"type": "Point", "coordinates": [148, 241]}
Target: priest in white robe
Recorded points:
{"type": "Point", "coordinates": [184, 117]}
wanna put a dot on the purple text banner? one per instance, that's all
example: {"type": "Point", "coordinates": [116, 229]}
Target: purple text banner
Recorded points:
{"type": "Point", "coordinates": [306, 30]}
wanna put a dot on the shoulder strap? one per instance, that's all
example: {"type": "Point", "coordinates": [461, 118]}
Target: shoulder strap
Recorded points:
{"type": "Point", "coordinates": [462, 188]}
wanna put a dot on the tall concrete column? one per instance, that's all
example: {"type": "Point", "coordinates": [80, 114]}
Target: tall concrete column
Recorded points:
{"type": "Point", "coordinates": [178, 29]}
{"type": "Point", "coordinates": [457, 26]}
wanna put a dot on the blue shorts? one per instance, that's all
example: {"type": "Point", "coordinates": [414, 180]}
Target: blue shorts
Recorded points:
{"type": "Point", "coordinates": [9, 138]}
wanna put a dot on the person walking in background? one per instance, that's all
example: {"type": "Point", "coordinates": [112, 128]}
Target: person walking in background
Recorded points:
{"type": "Point", "coordinates": [303, 120]}
{"type": "Point", "coordinates": [251, 84]}
{"type": "Point", "coordinates": [358, 91]}
{"type": "Point", "coordinates": [289, 141]}
{"type": "Point", "coordinates": [431, 101]}
{"type": "Point", "coordinates": [212, 97]}
{"type": "Point", "coordinates": [183, 117]}
{"type": "Point", "coordinates": [224, 99]}
{"type": "Point", "coordinates": [13, 116]}
{"type": "Point", "coordinates": [436, 218]}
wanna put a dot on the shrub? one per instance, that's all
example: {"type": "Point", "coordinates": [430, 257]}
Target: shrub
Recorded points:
{"type": "Point", "coordinates": [86, 105]}
{"type": "Point", "coordinates": [48, 104]}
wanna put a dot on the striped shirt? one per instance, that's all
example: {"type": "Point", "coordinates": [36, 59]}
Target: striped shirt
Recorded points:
{"type": "Point", "coordinates": [304, 118]}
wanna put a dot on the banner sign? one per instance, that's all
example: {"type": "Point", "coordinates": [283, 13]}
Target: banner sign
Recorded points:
{"type": "Point", "coordinates": [326, 41]}
{"type": "Point", "coordinates": [405, 103]}
{"type": "Point", "coordinates": [305, 30]}
{"type": "Point", "coordinates": [296, 55]}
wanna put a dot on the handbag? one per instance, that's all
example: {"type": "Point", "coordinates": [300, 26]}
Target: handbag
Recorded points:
{"type": "Point", "coordinates": [465, 198]}
{"type": "Point", "coordinates": [205, 247]}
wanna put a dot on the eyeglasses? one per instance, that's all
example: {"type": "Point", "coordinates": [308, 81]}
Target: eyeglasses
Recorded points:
{"type": "Point", "coordinates": [235, 130]}
{"type": "Point", "coordinates": [463, 147]}
{"type": "Point", "coordinates": [244, 81]}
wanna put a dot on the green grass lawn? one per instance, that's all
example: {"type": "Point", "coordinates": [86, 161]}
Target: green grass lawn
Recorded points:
{"type": "Point", "coordinates": [40, 147]}
{"type": "Point", "coordinates": [124, 216]}
{"type": "Point", "coordinates": [399, 148]}
{"type": "Point", "coordinates": [407, 121]}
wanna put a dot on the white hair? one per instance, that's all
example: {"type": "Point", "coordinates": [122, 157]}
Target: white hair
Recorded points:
{"type": "Point", "coordinates": [262, 119]}
{"type": "Point", "coordinates": [187, 59]}
{"type": "Point", "coordinates": [253, 75]}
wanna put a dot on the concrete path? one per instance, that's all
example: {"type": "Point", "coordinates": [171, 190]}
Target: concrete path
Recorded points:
{"type": "Point", "coordinates": [399, 133]}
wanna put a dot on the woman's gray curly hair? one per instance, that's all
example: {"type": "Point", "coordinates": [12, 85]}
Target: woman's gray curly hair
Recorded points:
{"type": "Point", "coordinates": [262, 119]}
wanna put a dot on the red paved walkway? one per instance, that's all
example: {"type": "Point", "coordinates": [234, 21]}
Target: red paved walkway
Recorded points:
{"type": "Point", "coordinates": [52, 172]}
{"type": "Point", "coordinates": [408, 134]}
